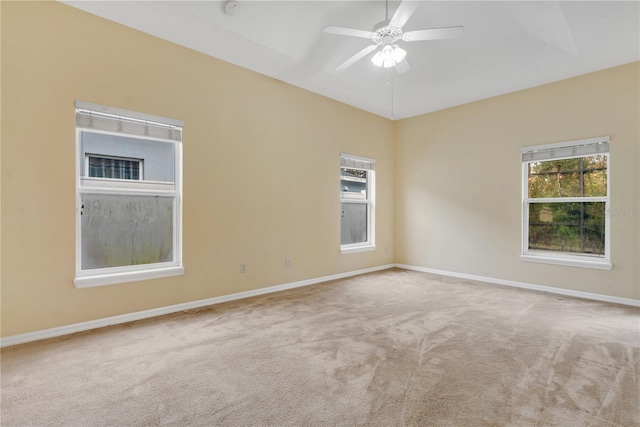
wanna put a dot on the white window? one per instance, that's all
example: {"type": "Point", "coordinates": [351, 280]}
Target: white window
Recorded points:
{"type": "Point", "coordinates": [565, 203]}
{"type": "Point", "coordinates": [129, 201]}
{"type": "Point", "coordinates": [357, 202]}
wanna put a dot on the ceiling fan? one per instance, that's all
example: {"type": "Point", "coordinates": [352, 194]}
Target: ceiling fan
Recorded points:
{"type": "Point", "coordinates": [387, 33]}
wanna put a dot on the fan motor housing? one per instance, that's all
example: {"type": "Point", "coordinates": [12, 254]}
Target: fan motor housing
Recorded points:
{"type": "Point", "coordinates": [384, 34]}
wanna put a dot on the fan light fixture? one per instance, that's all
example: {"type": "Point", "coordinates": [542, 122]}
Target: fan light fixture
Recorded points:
{"type": "Point", "coordinates": [387, 33]}
{"type": "Point", "coordinates": [389, 56]}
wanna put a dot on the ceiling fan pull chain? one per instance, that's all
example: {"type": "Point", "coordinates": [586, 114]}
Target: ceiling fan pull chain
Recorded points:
{"type": "Point", "coordinates": [390, 83]}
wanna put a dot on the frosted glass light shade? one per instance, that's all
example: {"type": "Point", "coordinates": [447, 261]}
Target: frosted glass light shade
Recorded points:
{"type": "Point", "coordinates": [388, 56]}
{"type": "Point", "coordinates": [398, 54]}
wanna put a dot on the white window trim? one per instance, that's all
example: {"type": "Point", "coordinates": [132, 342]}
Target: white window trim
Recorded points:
{"type": "Point", "coordinates": [86, 184]}
{"type": "Point", "coordinates": [370, 244]}
{"type": "Point", "coordinates": [562, 258]}
{"type": "Point", "coordinates": [129, 276]}
{"type": "Point", "coordinates": [357, 247]}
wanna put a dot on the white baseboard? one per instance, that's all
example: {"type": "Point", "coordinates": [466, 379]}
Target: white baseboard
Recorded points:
{"type": "Point", "coordinates": [145, 314]}
{"type": "Point", "coordinates": [559, 291]}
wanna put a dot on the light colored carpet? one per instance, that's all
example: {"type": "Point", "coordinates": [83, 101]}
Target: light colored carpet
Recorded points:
{"type": "Point", "coordinates": [386, 349]}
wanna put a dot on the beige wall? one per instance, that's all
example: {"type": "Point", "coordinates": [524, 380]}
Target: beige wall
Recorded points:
{"type": "Point", "coordinates": [458, 180]}
{"type": "Point", "coordinates": [261, 167]}
{"type": "Point", "coordinates": [261, 171]}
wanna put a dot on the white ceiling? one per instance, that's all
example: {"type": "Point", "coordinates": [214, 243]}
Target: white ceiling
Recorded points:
{"type": "Point", "coordinates": [507, 46]}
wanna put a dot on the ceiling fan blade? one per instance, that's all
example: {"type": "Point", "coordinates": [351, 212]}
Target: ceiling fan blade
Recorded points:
{"type": "Point", "coordinates": [355, 58]}
{"type": "Point", "coordinates": [433, 34]}
{"type": "Point", "coordinates": [402, 66]}
{"type": "Point", "coordinates": [403, 13]}
{"type": "Point", "coordinates": [343, 31]}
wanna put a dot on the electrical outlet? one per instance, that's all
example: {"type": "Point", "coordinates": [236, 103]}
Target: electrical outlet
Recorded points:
{"type": "Point", "coordinates": [287, 262]}
{"type": "Point", "coordinates": [243, 268]}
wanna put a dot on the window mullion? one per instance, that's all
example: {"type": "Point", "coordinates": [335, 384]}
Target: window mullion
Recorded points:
{"type": "Point", "coordinates": [567, 199]}
{"type": "Point", "coordinates": [128, 192]}
{"type": "Point", "coordinates": [356, 201]}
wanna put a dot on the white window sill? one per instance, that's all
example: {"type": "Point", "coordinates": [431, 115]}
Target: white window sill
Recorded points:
{"type": "Point", "coordinates": [354, 249]}
{"type": "Point", "coordinates": [123, 277]}
{"type": "Point", "coordinates": [586, 262]}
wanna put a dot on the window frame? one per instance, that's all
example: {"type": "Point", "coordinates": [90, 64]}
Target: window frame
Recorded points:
{"type": "Point", "coordinates": [95, 185]}
{"type": "Point", "coordinates": [600, 262]}
{"type": "Point", "coordinates": [369, 244]}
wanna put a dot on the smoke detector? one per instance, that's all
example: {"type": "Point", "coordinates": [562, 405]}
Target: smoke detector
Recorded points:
{"type": "Point", "coordinates": [230, 7]}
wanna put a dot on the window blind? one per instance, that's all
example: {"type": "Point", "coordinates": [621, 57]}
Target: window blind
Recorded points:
{"type": "Point", "coordinates": [577, 149]}
{"type": "Point", "coordinates": [96, 117]}
{"type": "Point", "coordinates": [356, 162]}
